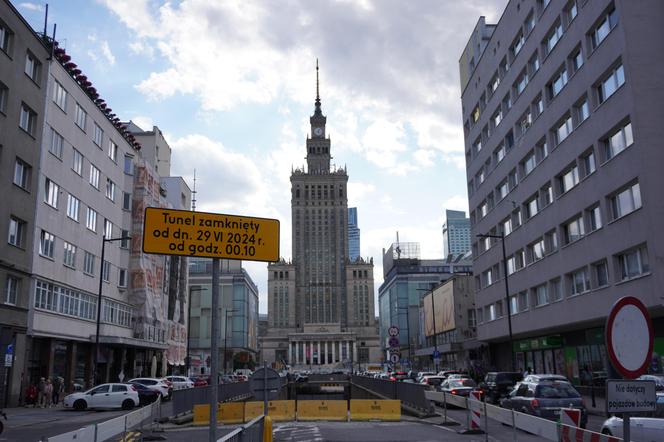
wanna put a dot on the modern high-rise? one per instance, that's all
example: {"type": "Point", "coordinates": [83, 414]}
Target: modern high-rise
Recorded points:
{"type": "Point", "coordinates": [456, 233]}
{"type": "Point", "coordinates": [561, 103]}
{"type": "Point", "coordinates": [353, 235]}
{"type": "Point", "coordinates": [320, 306]}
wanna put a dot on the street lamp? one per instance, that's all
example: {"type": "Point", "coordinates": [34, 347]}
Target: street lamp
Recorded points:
{"type": "Point", "coordinates": [507, 292]}
{"type": "Point", "coordinates": [188, 358]}
{"type": "Point", "coordinates": [226, 339]}
{"type": "Point", "coordinates": [104, 240]}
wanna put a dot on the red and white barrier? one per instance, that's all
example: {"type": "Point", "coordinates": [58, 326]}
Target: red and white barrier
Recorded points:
{"type": "Point", "coordinates": [574, 434]}
{"type": "Point", "coordinates": [476, 411]}
{"type": "Point", "coordinates": [570, 416]}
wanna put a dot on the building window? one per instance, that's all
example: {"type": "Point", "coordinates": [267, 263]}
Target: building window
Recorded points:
{"type": "Point", "coordinates": [563, 130]}
{"type": "Point", "coordinates": [500, 153]}
{"type": "Point", "coordinates": [128, 164]}
{"type": "Point", "coordinates": [625, 201]}
{"type": "Point", "coordinates": [569, 179]}
{"type": "Point", "coordinates": [537, 250]}
{"type": "Point", "coordinates": [558, 83]}
{"type": "Point", "coordinates": [11, 290]}
{"type": "Point", "coordinates": [619, 141]}
{"type": "Point", "coordinates": [538, 105]}
{"type": "Point", "coordinates": [582, 111]}
{"type": "Point", "coordinates": [523, 301]}
{"type": "Point", "coordinates": [570, 11]}
{"type": "Point", "coordinates": [80, 116]}
{"type": "Point", "coordinates": [483, 209]}
{"type": "Point", "coordinates": [497, 117]}
{"type": "Point", "coordinates": [529, 163]}
{"type": "Point", "coordinates": [546, 194]}
{"type": "Point", "coordinates": [115, 313]}
{"type": "Point", "coordinates": [6, 36]}
{"type": "Point", "coordinates": [77, 162]}
{"type": "Point", "coordinates": [124, 243]}
{"type": "Point", "coordinates": [608, 22]}
{"type": "Point", "coordinates": [126, 201]}
{"type": "Point", "coordinates": [555, 290]}
{"type": "Point", "coordinates": [66, 301]}
{"type": "Point", "coordinates": [17, 230]}
{"type": "Point", "coordinates": [108, 229]}
{"type": "Point", "coordinates": [22, 174]}
{"type": "Point", "coordinates": [507, 226]}
{"type": "Point", "coordinates": [553, 37]}
{"type": "Point", "coordinates": [51, 193]}
{"type": "Point", "coordinates": [98, 135]}
{"type": "Point", "coordinates": [122, 278]}
{"type": "Point", "coordinates": [503, 190]}
{"type": "Point", "coordinates": [110, 189]}
{"type": "Point", "coordinates": [89, 263]}
{"type": "Point", "coordinates": [521, 83]}
{"type": "Point", "coordinates": [27, 119]}
{"type": "Point", "coordinates": [94, 176]}
{"type": "Point", "coordinates": [106, 271]}
{"type": "Point", "coordinates": [518, 44]}
{"type": "Point", "coordinates": [475, 114]}
{"type": "Point", "coordinates": [580, 281]}
{"type": "Point", "coordinates": [57, 143]}
{"type": "Point", "coordinates": [4, 96]}
{"type": "Point", "coordinates": [493, 83]}
{"type": "Point", "coordinates": [633, 263]}
{"type": "Point", "coordinates": [91, 219]}
{"type": "Point", "coordinates": [534, 64]}
{"type": "Point", "coordinates": [601, 271]}
{"type": "Point", "coordinates": [69, 255]}
{"type": "Point", "coordinates": [60, 96]}
{"type": "Point", "coordinates": [32, 67]}
{"type": "Point", "coordinates": [112, 151]}
{"type": "Point", "coordinates": [541, 295]}
{"type": "Point", "coordinates": [588, 161]}
{"type": "Point", "coordinates": [551, 241]}
{"type": "Point", "coordinates": [574, 230]}
{"type": "Point", "coordinates": [532, 207]}
{"type": "Point", "coordinates": [46, 244]}
{"type": "Point", "coordinates": [576, 60]}
{"type": "Point", "coordinates": [73, 204]}
{"type": "Point", "coordinates": [610, 84]}
{"type": "Point", "coordinates": [594, 219]}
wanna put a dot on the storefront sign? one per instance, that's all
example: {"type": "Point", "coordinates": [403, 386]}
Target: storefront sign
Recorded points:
{"type": "Point", "coordinates": [545, 342]}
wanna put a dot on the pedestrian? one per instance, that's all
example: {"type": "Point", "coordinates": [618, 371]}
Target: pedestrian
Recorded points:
{"type": "Point", "coordinates": [31, 395]}
{"type": "Point", "coordinates": [58, 388]}
{"type": "Point", "coordinates": [48, 393]}
{"type": "Point", "coordinates": [40, 392]}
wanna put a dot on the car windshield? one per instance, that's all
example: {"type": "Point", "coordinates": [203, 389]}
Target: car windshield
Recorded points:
{"type": "Point", "coordinates": [556, 391]}
{"type": "Point", "coordinates": [458, 383]}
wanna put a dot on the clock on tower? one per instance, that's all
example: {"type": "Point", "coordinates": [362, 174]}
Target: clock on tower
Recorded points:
{"type": "Point", "coordinates": [318, 131]}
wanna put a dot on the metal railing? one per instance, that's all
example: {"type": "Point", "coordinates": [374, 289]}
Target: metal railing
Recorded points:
{"type": "Point", "coordinates": [183, 401]}
{"type": "Point", "coordinates": [252, 431]}
{"type": "Point", "coordinates": [411, 395]}
{"type": "Point", "coordinates": [145, 417]}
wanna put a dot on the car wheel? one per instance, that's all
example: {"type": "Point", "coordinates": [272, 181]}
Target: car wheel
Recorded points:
{"type": "Point", "coordinates": [80, 405]}
{"type": "Point", "coordinates": [127, 404]}
{"type": "Point", "coordinates": [607, 432]}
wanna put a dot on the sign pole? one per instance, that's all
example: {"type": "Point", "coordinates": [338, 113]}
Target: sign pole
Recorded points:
{"type": "Point", "coordinates": [265, 387]}
{"type": "Point", "coordinates": [214, 350]}
{"type": "Point", "coordinates": [626, 433]}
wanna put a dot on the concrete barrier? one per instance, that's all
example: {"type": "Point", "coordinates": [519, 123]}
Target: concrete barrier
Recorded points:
{"type": "Point", "coordinates": [279, 411]}
{"type": "Point", "coordinates": [229, 413]}
{"type": "Point", "coordinates": [322, 410]}
{"type": "Point", "coordinates": [368, 409]}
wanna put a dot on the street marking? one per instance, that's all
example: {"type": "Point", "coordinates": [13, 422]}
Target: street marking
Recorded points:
{"type": "Point", "coordinates": [131, 436]}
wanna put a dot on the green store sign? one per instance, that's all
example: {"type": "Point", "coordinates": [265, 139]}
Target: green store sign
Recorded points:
{"type": "Point", "coordinates": [554, 341]}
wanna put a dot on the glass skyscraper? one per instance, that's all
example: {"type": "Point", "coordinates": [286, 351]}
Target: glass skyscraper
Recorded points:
{"type": "Point", "coordinates": [456, 233]}
{"type": "Point", "coordinates": [353, 234]}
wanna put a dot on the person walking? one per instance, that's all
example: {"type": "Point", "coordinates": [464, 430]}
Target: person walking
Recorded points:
{"type": "Point", "coordinates": [40, 392]}
{"type": "Point", "coordinates": [48, 393]}
{"type": "Point", "coordinates": [58, 388]}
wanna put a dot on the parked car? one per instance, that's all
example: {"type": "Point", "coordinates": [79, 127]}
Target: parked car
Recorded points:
{"type": "Point", "coordinates": [180, 382]}
{"type": "Point", "coordinates": [104, 396]}
{"type": "Point", "coordinates": [545, 377]}
{"type": "Point", "coordinates": [145, 395]}
{"type": "Point", "coordinates": [433, 381]}
{"type": "Point", "coordinates": [159, 385]}
{"type": "Point", "coordinates": [458, 387]}
{"type": "Point", "coordinates": [642, 429]}
{"type": "Point", "coordinates": [498, 384]}
{"type": "Point", "coordinates": [659, 391]}
{"type": "Point", "coordinates": [447, 373]}
{"type": "Point", "coordinates": [198, 381]}
{"type": "Point", "coordinates": [420, 374]}
{"type": "Point", "coordinates": [458, 376]}
{"type": "Point", "coordinates": [398, 376]}
{"type": "Point", "coordinates": [545, 399]}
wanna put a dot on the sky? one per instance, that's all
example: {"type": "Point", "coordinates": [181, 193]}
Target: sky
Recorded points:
{"type": "Point", "coordinates": [232, 86]}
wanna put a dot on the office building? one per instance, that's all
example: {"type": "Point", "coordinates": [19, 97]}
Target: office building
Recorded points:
{"type": "Point", "coordinates": [320, 305]}
{"type": "Point", "coordinates": [353, 235]}
{"type": "Point", "coordinates": [238, 316]}
{"type": "Point", "coordinates": [560, 103]}
{"type": "Point", "coordinates": [456, 233]}
{"type": "Point", "coordinates": [407, 278]}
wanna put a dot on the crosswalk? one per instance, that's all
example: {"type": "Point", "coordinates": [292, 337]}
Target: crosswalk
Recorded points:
{"type": "Point", "coordinates": [297, 433]}
{"type": "Point", "coordinates": [131, 436]}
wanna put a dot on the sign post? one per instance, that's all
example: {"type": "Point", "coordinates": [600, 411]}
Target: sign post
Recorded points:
{"type": "Point", "coordinates": [629, 341]}
{"type": "Point", "coordinates": [211, 235]}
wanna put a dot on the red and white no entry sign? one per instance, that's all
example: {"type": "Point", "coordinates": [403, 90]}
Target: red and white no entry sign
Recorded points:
{"type": "Point", "coordinates": [629, 337]}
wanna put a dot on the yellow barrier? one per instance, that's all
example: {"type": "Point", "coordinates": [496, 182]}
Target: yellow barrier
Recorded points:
{"type": "Point", "coordinates": [368, 409]}
{"type": "Point", "coordinates": [230, 413]}
{"type": "Point", "coordinates": [322, 410]}
{"type": "Point", "coordinates": [267, 429]}
{"type": "Point", "coordinates": [278, 410]}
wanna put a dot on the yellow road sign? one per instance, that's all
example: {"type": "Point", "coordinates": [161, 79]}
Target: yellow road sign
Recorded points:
{"type": "Point", "coordinates": [210, 235]}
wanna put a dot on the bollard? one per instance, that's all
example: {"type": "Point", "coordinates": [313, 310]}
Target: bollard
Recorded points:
{"type": "Point", "coordinates": [267, 429]}
{"type": "Point", "coordinates": [124, 432]}
{"type": "Point", "coordinates": [446, 423]}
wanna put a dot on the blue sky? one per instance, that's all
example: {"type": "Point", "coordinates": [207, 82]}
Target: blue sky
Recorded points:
{"type": "Point", "coordinates": [232, 85]}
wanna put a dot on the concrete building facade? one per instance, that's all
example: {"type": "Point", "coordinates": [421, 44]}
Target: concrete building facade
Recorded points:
{"type": "Point", "coordinates": [23, 83]}
{"type": "Point", "coordinates": [320, 306]}
{"type": "Point", "coordinates": [456, 233]}
{"type": "Point", "coordinates": [560, 111]}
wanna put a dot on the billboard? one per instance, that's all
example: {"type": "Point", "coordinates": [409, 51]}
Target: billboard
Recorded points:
{"type": "Point", "coordinates": [443, 302]}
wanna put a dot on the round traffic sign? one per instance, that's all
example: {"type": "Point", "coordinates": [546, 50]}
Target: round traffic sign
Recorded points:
{"type": "Point", "coordinates": [393, 331]}
{"type": "Point", "coordinates": [629, 337]}
{"type": "Point", "coordinates": [394, 358]}
{"type": "Point", "coordinates": [393, 342]}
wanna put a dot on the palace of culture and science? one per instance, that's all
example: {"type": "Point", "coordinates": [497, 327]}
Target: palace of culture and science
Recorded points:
{"type": "Point", "coordinates": [321, 305]}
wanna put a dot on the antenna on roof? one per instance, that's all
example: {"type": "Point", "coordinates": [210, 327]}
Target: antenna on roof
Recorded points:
{"type": "Point", "coordinates": [45, 20]}
{"type": "Point", "coordinates": [193, 194]}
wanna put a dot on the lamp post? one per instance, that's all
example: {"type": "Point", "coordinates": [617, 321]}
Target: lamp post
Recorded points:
{"type": "Point", "coordinates": [104, 240]}
{"type": "Point", "coordinates": [226, 339]}
{"type": "Point", "coordinates": [188, 357]}
{"type": "Point", "coordinates": [507, 293]}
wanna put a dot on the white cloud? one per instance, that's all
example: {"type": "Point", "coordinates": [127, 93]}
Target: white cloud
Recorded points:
{"type": "Point", "coordinates": [31, 6]}
{"type": "Point", "coordinates": [456, 202]}
{"type": "Point", "coordinates": [143, 48]}
{"type": "Point", "coordinates": [358, 192]}
{"type": "Point", "coordinates": [106, 52]}
{"type": "Point", "coordinates": [143, 122]}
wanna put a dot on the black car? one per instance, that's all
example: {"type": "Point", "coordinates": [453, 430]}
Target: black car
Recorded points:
{"type": "Point", "coordinates": [498, 384]}
{"type": "Point", "coordinates": [545, 399]}
{"type": "Point", "coordinates": [145, 395]}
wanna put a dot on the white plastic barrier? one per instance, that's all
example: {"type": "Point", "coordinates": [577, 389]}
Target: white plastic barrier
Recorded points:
{"type": "Point", "coordinates": [502, 415]}
{"type": "Point", "coordinates": [82, 434]}
{"type": "Point", "coordinates": [450, 399]}
{"type": "Point", "coordinates": [574, 434]}
{"type": "Point", "coordinates": [536, 425]}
